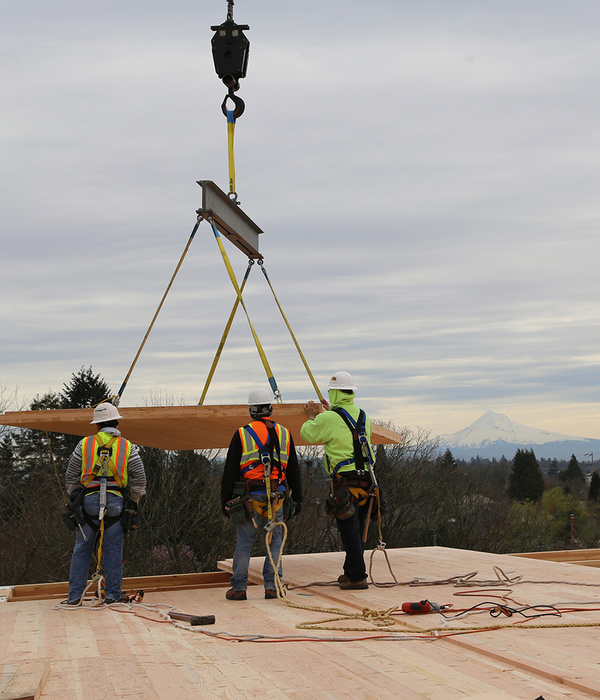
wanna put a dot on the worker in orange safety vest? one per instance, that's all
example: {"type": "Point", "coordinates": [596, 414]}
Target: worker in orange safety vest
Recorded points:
{"type": "Point", "coordinates": [260, 486]}
{"type": "Point", "coordinates": [103, 471]}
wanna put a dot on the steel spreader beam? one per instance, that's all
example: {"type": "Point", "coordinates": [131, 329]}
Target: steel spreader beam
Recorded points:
{"type": "Point", "coordinates": [229, 219]}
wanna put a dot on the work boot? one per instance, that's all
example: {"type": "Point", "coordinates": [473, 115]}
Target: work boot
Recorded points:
{"type": "Point", "coordinates": [71, 602]}
{"type": "Point", "coordinates": [122, 599]}
{"type": "Point", "coordinates": [342, 578]}
{"type": "Point", "coordinates": [232, 594]}
{"type": "Point", "coordinates": [354, 585]}
{"type": "Point", "coordinates": [270, 594]}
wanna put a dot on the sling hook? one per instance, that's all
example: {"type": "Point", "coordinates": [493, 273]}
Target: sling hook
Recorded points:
{"type": "Point", "coordinates": [237, 101]}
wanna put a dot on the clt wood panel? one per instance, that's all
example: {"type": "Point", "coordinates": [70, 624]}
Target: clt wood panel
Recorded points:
{"type": "Point", "coordinates": [585, 557]}
{"type": "Point", "coordinates": [173, 427]}
{"type": "Point", "coordinates": [110, 654]}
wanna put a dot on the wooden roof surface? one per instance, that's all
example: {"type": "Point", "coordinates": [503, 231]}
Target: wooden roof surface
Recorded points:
{"type": "Point", "coordinates": [173, 427]}
{"type": "Point", "coordinates": [76, 653]}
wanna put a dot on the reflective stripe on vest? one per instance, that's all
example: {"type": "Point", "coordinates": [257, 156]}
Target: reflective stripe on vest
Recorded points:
{"type": "Point", "coordinates": [250, 465]}
{"type": "Point", "coordinates": [117, 464]}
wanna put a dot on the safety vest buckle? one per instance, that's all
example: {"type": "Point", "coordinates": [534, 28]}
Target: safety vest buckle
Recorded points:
{"type": "Point", "coordinates": [104, 455]}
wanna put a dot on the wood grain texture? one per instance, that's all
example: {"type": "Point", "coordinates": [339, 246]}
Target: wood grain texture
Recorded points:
{"type": "Point", "coordinates": [24, 680]}
{"type": "Point", "coordinates": [106, 653]}
{"type": "Point", "coordinates": [173, 427]}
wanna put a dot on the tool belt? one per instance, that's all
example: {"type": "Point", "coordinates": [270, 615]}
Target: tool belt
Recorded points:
{"type": "Point", "coordinates": [244, 504]}
{"type": "Point", "coordinates": [131, 515]}
{"type": "Point", "coordinates": [75, 515]}
{"type": "Point", "coordinates": [347, 491]}
{"type": "Point", "coordinates": [236, 509]}
{"type": "Point", "coordinates": [261, 507]}
{"type": "Point", "coordinates": [259, 484]}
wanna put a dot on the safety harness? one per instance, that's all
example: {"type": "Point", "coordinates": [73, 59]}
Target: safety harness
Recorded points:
{"type": "Point", "coordinates": [362, 449]}
{"type": "Point", "coordinates": [274, 498]}
{"type": "Point", "coordinates": [361, 482]}
{"type": "Point", "coordinates": [99, 462]}
{"type": "Point", "coordinates": [107, 471]}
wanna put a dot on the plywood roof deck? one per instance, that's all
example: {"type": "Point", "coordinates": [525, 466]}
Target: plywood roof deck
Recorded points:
{"type": "Point", "coordinates": [85, 653]}
{"type": "Point", "coordinates": [173, 427]}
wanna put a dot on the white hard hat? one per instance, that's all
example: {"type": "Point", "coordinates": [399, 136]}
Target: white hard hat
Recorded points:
{"type": "Point", "coordinates": [259, 397]}
{"type": "Point", "coordinates": [342, 380]}
{"type": "Point", "coordinates": [105, 412]}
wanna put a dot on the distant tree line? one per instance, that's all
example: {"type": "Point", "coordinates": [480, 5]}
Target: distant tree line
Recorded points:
{"type": "Point", "coordinates": [429, 499]}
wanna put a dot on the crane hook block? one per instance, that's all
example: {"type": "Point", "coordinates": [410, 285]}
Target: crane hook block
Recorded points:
{"type": "Point", "coordinates": [230, 50]}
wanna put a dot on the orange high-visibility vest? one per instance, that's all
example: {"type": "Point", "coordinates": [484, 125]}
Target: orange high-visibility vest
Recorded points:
{"type": "Point", "coordinates": [251, 465]}
{"type": "Point", "coordinates": [120, 449]}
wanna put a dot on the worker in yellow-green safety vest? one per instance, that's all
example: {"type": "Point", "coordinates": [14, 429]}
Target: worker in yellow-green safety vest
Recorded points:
{"type": "Point", "coordinates": [345, 431]}
{"type": "Point", "coordinates": [260, 486]}
{"type": "Point", "coordinates": [105, 473]}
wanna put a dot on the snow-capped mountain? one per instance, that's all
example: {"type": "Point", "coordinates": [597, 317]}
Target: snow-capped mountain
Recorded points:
{"type": "Point", "coordinates": [496, 435]}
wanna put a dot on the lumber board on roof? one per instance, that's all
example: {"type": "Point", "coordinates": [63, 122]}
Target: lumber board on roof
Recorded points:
{"type": "Point", "coordinates": [585, 557]}
{"type": "Point", "coordinates": [173, 427]}
{"type": "Point", "coordinates": [25, 680]}
{"type": "Point", "coordinates": [106, 653]}
{"type": "Point", "coordinates": [165, 582]}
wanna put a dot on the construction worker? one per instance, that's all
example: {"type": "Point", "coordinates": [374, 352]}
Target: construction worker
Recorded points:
{"type": "Point", "coordinates": [349, 461]}
{"type": "Point", "coordinates": [100, 469]}
{"type": "Point", "coordinates": [260, 486]}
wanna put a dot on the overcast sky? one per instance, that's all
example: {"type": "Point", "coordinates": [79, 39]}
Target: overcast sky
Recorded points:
{"type": "Point", "coordinates": [425, 173]}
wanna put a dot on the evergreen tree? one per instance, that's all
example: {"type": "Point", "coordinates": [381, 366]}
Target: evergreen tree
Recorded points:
{"type": "Point", "coordinates": [526, 479]}
{"type": "Point", "coordinates": [572, 478]}
{"type": "Point", "coordinates": [85, 390]}
{"type": "Point", "coordinates": [594, 492]}
{"type": "Point", "coordinates": [553, 470]}
{"type": "Point", "coordinates": [447, 463]}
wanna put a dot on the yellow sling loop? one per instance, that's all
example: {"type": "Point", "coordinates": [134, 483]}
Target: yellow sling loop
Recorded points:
{"type": "Point", "coordinates": [230, 133]}
{"type": "Point", "coordinates": [270, 514]}
{"type": "Point", "coordinates": [259, 347]}
{"type": "Point", "coordinates": [100, 543]}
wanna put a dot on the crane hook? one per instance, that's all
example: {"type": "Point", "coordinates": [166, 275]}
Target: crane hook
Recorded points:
{"type": "Point", "coordinates": [239, 105]}
{"type": "Point", "coordinates": [230, 49]}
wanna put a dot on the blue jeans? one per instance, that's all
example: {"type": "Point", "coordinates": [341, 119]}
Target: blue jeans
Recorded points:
{"type": "Point", "coordinates": [246, 533]}
{"type": "Point", "coordinates": [112, 547]}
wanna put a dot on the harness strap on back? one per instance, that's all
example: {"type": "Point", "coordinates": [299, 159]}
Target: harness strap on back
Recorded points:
{"type": "Point", "coordinates": [359, 440]}
{"type": "Point", "coordinates": [103, 448]}
{"type": "Point", "coordinates": [263, 449]}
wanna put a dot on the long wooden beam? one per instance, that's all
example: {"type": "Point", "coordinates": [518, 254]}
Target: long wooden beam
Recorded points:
{"type": "Point", "coordinates": [166, 582]}
{"type": "Point", "coordinates": [173, 427]}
